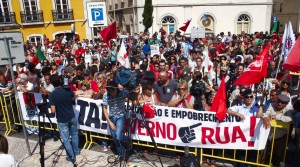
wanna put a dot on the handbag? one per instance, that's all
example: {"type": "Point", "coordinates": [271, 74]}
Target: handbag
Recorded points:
{"type": "Point", "coordinates": [148, 111]}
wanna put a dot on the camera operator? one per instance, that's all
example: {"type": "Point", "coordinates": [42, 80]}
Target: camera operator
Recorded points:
{"type": "Point", "coordinates": [61, 103]}
{"type": "Point", "coordinates": [198, 90]}
{"type": "Point", "coordinates": [46, 87]}
{"type": "Point", "coordinates": [115, 98]}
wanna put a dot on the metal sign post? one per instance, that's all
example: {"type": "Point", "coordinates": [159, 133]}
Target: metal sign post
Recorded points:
{"type": "Point", "coordinates": [10, 62]}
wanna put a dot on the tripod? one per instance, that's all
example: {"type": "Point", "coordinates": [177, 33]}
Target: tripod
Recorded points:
{"type": "Point", "coordinates": [134, 112]}
{"type": "Point", "coordinates": [43, 107]}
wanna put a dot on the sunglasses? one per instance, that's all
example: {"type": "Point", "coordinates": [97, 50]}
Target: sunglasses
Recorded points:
{"type": "Point", "coordinates": [285, 83]}
{"type": "Point", "coordinates": [155, 66]}
{"type": "Point", "coordinates": [248, 97]}
{"type": "Point", "coordinates": [181, 88]}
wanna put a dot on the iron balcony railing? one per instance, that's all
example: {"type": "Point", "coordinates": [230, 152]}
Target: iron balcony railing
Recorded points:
{"type": "Point", "coordinates": [32, 16]}
{"type": "Point", "coordinates": [7, 18]}
{"type": "Point", "coordinates": [62, 15]}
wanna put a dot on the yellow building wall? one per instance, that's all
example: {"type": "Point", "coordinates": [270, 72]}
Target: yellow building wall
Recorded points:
{"type": "Point", "coordinates": [49, 28]}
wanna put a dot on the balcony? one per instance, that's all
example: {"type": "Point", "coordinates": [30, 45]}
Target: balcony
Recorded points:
{"type": "Point", "coordinates": [64, 15]}
{"type": "Point", "coordinates": [7, 18]}
{"type": "Point", "coordinates": [32, 16]}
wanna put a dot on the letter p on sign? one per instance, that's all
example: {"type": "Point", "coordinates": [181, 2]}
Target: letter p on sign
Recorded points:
{"type": "Point", "coordinates": [97, 14]}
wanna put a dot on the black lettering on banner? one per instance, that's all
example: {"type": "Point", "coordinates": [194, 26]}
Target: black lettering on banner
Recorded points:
{"type": "Point", "coordinates": [184, 114]}
{"type": "Point", "coordinates": [190, 115]}
{"type": "Point", "coordinates": [96, 119]}
{"type": "Point", "coordinates": [195, 116]}
{"type": "Point", "coordinates": [200, 117]}
{"type": "Point", "coordinates": [83, 105]}
{"type": "Point", "coordinates": [166, 113]}
{"type": "Point", "coordinates": [211, 117]}
{"type": "Point", "coordinates": [158, 112]}
{"type": "Point", "coordinates": [205, 117]}
{"type": "Point", "coordinates": [178, 114]}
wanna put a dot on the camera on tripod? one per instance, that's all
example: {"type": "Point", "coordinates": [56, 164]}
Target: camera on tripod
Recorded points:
{"type": "Point", "coordinates": [43, 107]}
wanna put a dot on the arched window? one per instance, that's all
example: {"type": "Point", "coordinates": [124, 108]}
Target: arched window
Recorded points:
{"type": "Point", "coordinates": [243, 24]}
{"type": "Point", "coordinates": [207, 22]}
{"type": "Point", "coordinates": [168, 23]}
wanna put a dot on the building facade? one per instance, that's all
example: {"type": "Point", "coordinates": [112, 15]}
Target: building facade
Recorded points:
{"type": "Point", "coordinates": [36, 18]}
{"type": "Point", "coordinates": [215, 16]}
{"type": "Point", "coordinates": [285, 11]}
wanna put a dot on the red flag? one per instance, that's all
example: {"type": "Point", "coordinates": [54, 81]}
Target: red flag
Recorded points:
{"type": "Point", "coordinates": [256, 70]}
{"type": "Point", "coordinates": [110, 32]}
{"type": "Point", "coordinates": [183, 28]}
{"type": "Point", "coordinates": [219, 102]}
{"type": "Point", "coordinates": [292, 62]}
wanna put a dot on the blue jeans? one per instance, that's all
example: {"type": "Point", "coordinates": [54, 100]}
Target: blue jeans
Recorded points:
{"type": "Point", "coordinates": [67, 130]}
{"type": "Point", "coordinates": [117, 134]}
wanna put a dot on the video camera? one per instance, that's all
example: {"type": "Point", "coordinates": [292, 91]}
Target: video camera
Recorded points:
{"type": "Point", "coordinates": [65, 80]}
{"type": "Point", "coordinates": [43, 107]}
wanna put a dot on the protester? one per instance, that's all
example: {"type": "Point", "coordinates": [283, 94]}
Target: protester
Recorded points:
{"type": "Point", "coordinates": [278, 111]}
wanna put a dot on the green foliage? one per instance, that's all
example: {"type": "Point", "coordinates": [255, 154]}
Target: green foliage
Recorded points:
{"type": "Point", "coordinates": [147, 15]}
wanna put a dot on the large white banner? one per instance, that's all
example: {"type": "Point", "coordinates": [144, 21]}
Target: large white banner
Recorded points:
{"type": "Point", "coordinates": [172, 126]}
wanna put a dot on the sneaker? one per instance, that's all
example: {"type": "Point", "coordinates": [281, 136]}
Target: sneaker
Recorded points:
{"type": "Point", "coordinates": [104, 148]}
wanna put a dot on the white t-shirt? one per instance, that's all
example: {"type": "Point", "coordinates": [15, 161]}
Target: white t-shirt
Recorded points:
{"type": "Point", "coordinates": [29, 87]}
{"type": "Point", "coordinates": [7, 160]}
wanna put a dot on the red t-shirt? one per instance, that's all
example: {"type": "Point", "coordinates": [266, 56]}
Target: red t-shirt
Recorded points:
{"type": "Point", "coordinates": [94, 86]}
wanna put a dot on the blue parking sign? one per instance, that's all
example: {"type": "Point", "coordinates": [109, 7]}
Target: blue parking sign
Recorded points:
{"type": "Point", "coordinates": [97, 14]}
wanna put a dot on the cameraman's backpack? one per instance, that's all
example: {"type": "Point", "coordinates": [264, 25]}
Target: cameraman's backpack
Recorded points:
{"type": "Point", "coordinates": [126, 78]}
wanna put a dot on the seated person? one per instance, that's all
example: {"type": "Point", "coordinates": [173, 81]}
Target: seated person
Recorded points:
{"type": "Point", "coordinates": [184, 100]}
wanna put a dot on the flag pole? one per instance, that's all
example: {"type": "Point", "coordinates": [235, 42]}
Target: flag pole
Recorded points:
{"type": "Point", "coordinates": [280, 59]}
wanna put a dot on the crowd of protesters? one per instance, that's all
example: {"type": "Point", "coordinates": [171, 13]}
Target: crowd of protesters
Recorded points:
{"type": "Point", "coordinates": [181, 61]}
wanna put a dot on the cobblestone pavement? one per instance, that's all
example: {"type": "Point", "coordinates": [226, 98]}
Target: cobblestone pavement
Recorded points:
{"type": "Point", "coordinates": [55, 155]}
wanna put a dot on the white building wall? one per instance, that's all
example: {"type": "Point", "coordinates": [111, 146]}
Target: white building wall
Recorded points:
{"type": "Point", "coordinates": [225, 17]}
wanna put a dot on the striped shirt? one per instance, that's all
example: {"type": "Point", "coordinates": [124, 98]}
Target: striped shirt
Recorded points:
{"type": "Point", "coordinates": [116, 104]}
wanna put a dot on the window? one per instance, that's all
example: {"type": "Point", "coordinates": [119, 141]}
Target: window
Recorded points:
{"type": "Point", "coordinates": [62, 9]}
{"type": "Point", "coordinates": [30, 10]}
{"type": "Point", "coordinates": [168, 24]}
{"type": "Point", "coordinates": [36, 40]}
{"type": "Point", "coordinates": [280, 7]}
{"type": "Point", "coordinates": [5, 14]}
{"type": "Point", "coordinates": [243, 24]}
{"type": "Point", "coordinates": [274, 7]}
{"type": "Point", "coordinates": [207, 22]}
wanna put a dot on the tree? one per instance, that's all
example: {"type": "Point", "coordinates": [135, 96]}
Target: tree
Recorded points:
{"type": "Point", "coordinates": [147, 15]}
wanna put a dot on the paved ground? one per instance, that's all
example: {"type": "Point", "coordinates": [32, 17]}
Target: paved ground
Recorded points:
{"type": "Point", "coordinates": [55, 155]}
